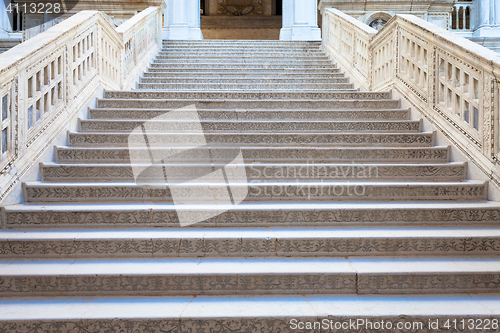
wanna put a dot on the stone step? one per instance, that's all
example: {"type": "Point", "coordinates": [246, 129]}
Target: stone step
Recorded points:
{"type": "Point", "coordinates": [240, 50]}
{"type": "Point", "coordinates": [220, 74]}
{"type": "Point", "coordinates": [240, 66]}
{"type": "Point", "coordinates": [239, 42]}
{"type": "Point", "coordinates": [268, 191]}
{"type": "Point", "coordinates": [245, 62]}
{"type": "Point", "coordinates": [353, 139]}
{"type": "Point", "coordinates": [248, 276]}
{"type": "Point", "coordinates": [198, 100]}
{"type": "Point", "coordinates": [242, 47]}
{"type": "Point", "coordinates": [279, 154]}
{"type": "Point", "coordinates": [240, 80]}
{"type": "Point", "coordinates": [412, 313]}
{"type": "Point", "coordinates": [243, 71]}
{"type": "Point", "coordinates": [307, 60]}
{"type": "Point", "coordinates": [304, 214]}
{"type": "Point", "coordinates": [244, 114]}
{"type": "Point", "coordinates": [228, 54]}
{"type": "Point", "coordinates": [187, 85]}
{"type": "Point", "coordinates": [250, 242]}
{"type": "Point", "coordinates": [55, 172]}
{"type": "Point", "coordinates": [262, 126]}
{"type": "Point", "coordinates": [144, 95]}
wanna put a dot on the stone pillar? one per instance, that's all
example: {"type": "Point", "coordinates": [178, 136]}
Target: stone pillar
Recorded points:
{"type": "Point", "coordinates": [300, 20]}
{"type": "Point", "coordinates": [182, 20]}
{"type": "Point", "coordinates": [487, 18]}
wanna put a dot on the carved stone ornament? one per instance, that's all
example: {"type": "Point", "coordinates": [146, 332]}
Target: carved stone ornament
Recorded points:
{"type": "Point", "coordinates": [241, 7]}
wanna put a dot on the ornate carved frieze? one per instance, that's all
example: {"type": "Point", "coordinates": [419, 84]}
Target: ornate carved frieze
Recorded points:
{"type": "Point", "coordinates": [240, 7]}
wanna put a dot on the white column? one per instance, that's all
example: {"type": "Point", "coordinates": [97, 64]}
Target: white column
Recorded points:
{"type": "Point", "coordinates": [487, 18]}
{"type": "Point", "coordinates": [300, 20]}
{"type": "Point", "coordinates": [182, 20]}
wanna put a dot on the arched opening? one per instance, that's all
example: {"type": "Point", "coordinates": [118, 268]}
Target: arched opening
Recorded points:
{"type": "Point", "coordinates": [467, 18]}
{"type": "Point", "coordinates": [454, 18]}
{"type": "Point", "coordinates": [378, 20]}
{"type": "Point", "coordinates": [461, 18]}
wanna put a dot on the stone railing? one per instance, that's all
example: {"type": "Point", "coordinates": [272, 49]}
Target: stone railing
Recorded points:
{"type": "Point", "coordinates": [451, 81]}
{"type": "Point", "coordinates": [48, 80]}
{"type": "Point", "coordinates": [347, 40]}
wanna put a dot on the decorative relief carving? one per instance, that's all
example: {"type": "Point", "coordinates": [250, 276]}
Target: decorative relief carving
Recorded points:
{"type": "Point", "coordinates": [240, 7]}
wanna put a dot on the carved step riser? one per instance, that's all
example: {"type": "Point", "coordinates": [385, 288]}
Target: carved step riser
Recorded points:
{"type": "Point", "coordinates": [144, 96]}
{"type": "Point", "coordinates": [248, 126]}
{"type": "Point", "coordinates": [253, 72]}
{"type": "Point", "coordinates": [300, 172]}
{"type": "Point", "coordinates": [187, 49]}
{"type": "Point", "coordinates": [256, 54]}
{"type": "Point", "coordinates": [256, 114]}
{"type": "Point", "coordinates": [240, 217]}
{"type": "Point", "coordinates": [242, 81]}
{"type": "Point", "coordinates": [263, 323]}
{"type": "Point", "coordinates": [278, 75]}
{"type": "Point", "coordinates": [249, 247]}
{"type": "Point", "coordinates": [138, 284]}
{"type": "Point", "coordinates": [242, 66]}
{"type": "Point", "coordinates": [256, 192]}
{"type": "Point", "coordinates": [295, 155]}
{"type": "Point", "coordinates": [243, 86]}
{"type": "Point", "coordinates": [254, 139]}
{"type": "Point", "coordinates": [307, 61]}
{"type": "Point", "coordinates": [248, 104]}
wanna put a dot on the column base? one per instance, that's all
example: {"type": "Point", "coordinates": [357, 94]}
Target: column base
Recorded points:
{"type": "Point", "coordinates": [301, 33]}
{"type": "Point", "coordinates": [182, 32]}
{"type": "Point", "coordinates": [487, 32]}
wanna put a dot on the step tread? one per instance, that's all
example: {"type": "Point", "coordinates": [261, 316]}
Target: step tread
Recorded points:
{"type": "Point", "coordinates": [279, 233]}
{"type": "Point", "coordinates": [252, 206]}
{"type": "Point", "coordinates": [412, 184]}
{"type": "Point", "coordinates": [256, 164]}
{"type": "Point", "coordinates": [253, 266]}
{"type": "Point", "coordinates": [248, 307]}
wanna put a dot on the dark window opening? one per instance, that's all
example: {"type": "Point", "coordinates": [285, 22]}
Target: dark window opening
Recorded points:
{"type": "Point", "coordinates": [202, 7]}
{"type": "Point", "coordinates": [279, 7]}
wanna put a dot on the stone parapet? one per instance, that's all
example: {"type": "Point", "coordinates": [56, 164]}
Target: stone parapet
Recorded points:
{"type": "Point", "coordinates": [48, 80]}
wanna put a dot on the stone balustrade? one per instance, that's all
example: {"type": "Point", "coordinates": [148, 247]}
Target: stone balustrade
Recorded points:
{"type": "Point", "coordinates": [451, 81]}
{"type": "Point", "coordinates": [347, 40]}
{"type": "Point", "coordinates": [48, 80]}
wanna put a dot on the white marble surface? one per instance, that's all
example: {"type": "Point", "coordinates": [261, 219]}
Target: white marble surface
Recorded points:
{"type": "Point", "coordinates": [247, 306]}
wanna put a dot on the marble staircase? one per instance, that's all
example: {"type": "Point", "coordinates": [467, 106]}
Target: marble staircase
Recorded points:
{"type": "Point", "coordinates": [352, 210]}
